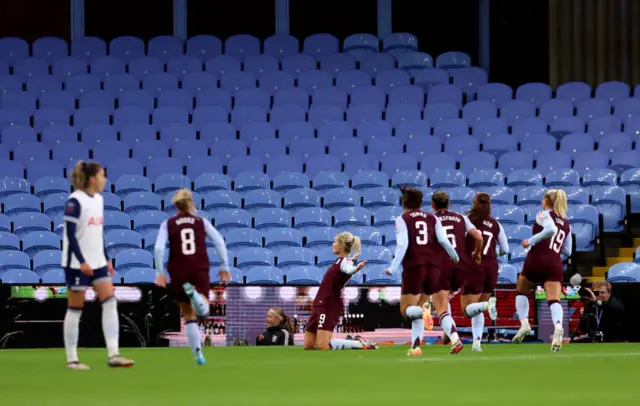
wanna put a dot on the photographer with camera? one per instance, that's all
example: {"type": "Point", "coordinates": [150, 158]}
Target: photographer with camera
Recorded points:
{"type": "Point", "coordinates": [603, 315]}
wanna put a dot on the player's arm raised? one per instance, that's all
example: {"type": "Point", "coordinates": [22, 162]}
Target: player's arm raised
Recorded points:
{"type": "Point", "coordinates": [71, 218]}
{"type": "Point", "coordinates": [402, 244]}
{"type": "Point", "coordinates": [477, 237]}
{"type": "Point", "coordinates": [347, 266]}
{"type": "Point", "coordinates": [441, 235]}
{"type": "Point", "coordinates": [158, 254]}
{"type": "Point", "coordinates": [221, 249]}
{"type": "Point", "coordinates": [548, 229]}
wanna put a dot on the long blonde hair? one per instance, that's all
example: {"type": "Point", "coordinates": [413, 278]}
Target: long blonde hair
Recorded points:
{"type": "Point", "coordinates": [183, 200]}
{"type": "Point", "coordinates": [350, 243]}
{"type": "Point", "coordinates": [557, 199]}
{"type": "Point", "coordinates": [82, 172]}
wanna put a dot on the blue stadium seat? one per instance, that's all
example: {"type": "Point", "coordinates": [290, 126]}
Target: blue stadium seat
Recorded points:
{"type": "Point", "coordinates": [280, 239]}
{"type": "Point", "coordinates": [485, 177]}
{"type": "Point", "coordinates": [240, 238]}
{"type": "Point", "coordinates": [350, 218]}
{"type": "Point", "coordinates": [304, 275]}
{"type": "Point", "coordinates": [133, 258]}
{"type": "Point", "coordinates": [140, 202]}
{"type": "Point", "coordinates": [232, 218]}
{"type": "Point", "coordinates": [25, 223]}
{"type": "Point", "coordinates": [115, 220]}
{"type": "Point", "coordinates": [310, 218]}
{"type": "Point", "coordinates": [14, 260]}
{"type": "Point", "coordinates": [496, 93]}
{"type": "Point", "coordinates": [167, 184]}
{"type": "Point", "coordinates": [292, 257]}
{"type": "Point", "coordinates": [508, 214]}
{"type": "Point", "coordinates": [291, 96]}
{"type": "Point", "coordinates": [286, 181]}
{"type": "Point", "coordinates": [119, 240]}
{"type": "Point", "coordinates": [518, 111]}
{"type": "Point", "coordinates": [410, 178]}
{"type": "Point", "coordinates": [260, 199]}
{"type": "Point", "coordinates": [611, 203]}
{"type": "Point", "coordinates": [376, 275]}
{"type": "Point", "coordinates": [298, 64]}
{"type": "Point", "coordinates": [20, 277]}
{"type": "Point", "coordinates": [9, 241]}
{"type": "Point", "coordinates": [250, 258]}
{"type": "Point", "coordinates": [19, 203]}
{"type": "Point", "coordinates": [128, 184]}
{"type": "Point", "coordinates": [272, 218]}
{"type": "Point", "coordinates": [377, 198]}
{"type": "Point", "coordinates": [10, 185]}
{"type": "Point", "coordinates": [599, 177]}
{"type": "Point", "coordinates": [148, 220]}
{"type": "Point", "coordinates": [204, 46]}
{"type": "Point", "coordinates": [512, 161]}
{"type": "Point", "coordinates": [624, 272]}
{"type": "Point", "coordinates": [264, 275]}
{"type": "Point", "coordinates": [183, 65]}
{"type": "Point", "coordinates": [476, 161]}
{"type": "Point", "coordinates": [281, 45]}
{"type": "Point", "coordinates": [139, 276]}
{"type": "Point", "coordinates": [320, 238]}
{"type": "Point", "coordinates": [5, 224]}
{"type": "Point", "coordinates": [447, 178]}
{"type": "Point", "coordinates": [165, 47]}
{"type": "Point", "coordinates": [218, 200]}
{"type": "Point", "coordinates": [584, 224]}
{"type": "Point", "coordinates": [34, 242]}
{"type": "Point", "coordinates": [612, 91]}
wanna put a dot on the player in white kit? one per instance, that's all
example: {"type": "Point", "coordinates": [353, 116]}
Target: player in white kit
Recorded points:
{"type": "Point", "coordinates": [85, 262]}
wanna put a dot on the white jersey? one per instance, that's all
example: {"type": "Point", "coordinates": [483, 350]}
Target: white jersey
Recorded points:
{"type": "Point", "coordinates": [87, 213]}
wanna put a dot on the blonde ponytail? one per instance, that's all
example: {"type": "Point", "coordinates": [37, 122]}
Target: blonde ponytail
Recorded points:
{"type": "Point", "coordinates": [349, 242]}
{"type": "Point", "coordinates": [183, 200]}
{"type": "Point", "coordinates": [557, 199]}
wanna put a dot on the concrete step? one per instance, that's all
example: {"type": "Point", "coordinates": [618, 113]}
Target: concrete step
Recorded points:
{"type": "Point", "coordinates": [592, 279]}
{"type": "Point", "coordinates": [616, 260]}
{"type": "Point", "coordinates": [626, 252]}
{"type": "Point", "coordinates": [636, 242]}
{"type": "Point", "coordinates": [599, 271]}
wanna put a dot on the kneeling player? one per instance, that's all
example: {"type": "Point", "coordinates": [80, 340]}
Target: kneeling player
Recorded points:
{"type": "Point", "coordinates": [188, 264]}
{"type": "Point", "coordinates": [420, 239]}
{"type": "Point", "coordinates": [552, 236]}
{"type": "Point", "coordinates": [84, 259]}
{"type": "Point", "coordinates": [328, 304]}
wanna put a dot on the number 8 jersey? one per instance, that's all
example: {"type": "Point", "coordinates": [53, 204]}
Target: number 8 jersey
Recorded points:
{"type": "Point", "coordinates": [186, 235]}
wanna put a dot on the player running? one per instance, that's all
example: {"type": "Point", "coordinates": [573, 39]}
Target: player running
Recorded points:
{"type": "Point", "coordinates": [420, 239]}
{"type": "Point", "coordinates": [458, 228]}
{"type": "Point", "coordinates": [328, 304]}
{"type": "Point", "coordinates": [188, 264]}
{"type": "Point", "coordinates": [551, 237]}
{"type": "Point", "coordinates": [85, 262]}
{"type": "Point", "coordinates": [482, 276]}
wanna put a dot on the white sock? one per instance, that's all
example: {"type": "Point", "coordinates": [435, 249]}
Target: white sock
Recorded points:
{"type": "Point", "coordinates": [475, 309]}
{"type": "Point", "coordinates": [414, 313]}
{"type": "Point", "coordinates": [449, 327]}
{"type": "Point", "coordinates": [340, 344]}
{"type": "Point", "coordinates": [111, 325]}
{"type": "Point", "coordinates": [71, 329]}
{"type": "Point", "coordinates": [522, 307]}
{"type": "Point", "coordinates": [200, 305]}
{"type": "Point", "coordinates": [556, 313]}
{"type": "Point", "coordinates": [193, 336]}
{"type": "Point", "coordinates": [477, 326]}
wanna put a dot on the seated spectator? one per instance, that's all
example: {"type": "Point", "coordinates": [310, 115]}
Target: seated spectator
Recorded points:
{"type": "Point", "coordinates": [603, 315]}
{"type": "Point", "coordinates": [279, 330]}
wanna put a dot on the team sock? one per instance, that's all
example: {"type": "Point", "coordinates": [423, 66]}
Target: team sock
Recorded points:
{"type": "Point", "coordinates": [193, 336]}
{"type": "Point", "coordinates": [199, 304]}
{"type": "Point", "coordinates": [111, 325]}
{"type": "Point", "coordinates": [475, 309]}
{"type": "Point", "coordinates": [449, 327]}
{"type": "Point", "coordinates": [414, 313]}
{"type": "Point", "coordinates": [71, 329]}
{"type": "Point", "coordinates": [477, 326]}
{"type": "Point", "coordinates": [556, 312]}
{"type": "Point", "coordinates": [522, 307]}
{"type": "Point", "coordinates": [341, 344]}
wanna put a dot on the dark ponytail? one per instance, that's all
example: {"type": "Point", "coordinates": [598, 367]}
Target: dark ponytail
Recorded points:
{"type": "Point", "coordinates": [481, 209]}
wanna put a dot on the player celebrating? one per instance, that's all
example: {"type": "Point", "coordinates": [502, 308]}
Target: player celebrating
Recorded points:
{"type": "Point", "coordinates": [85, 262]}
{"type": "Point", "coordinates": [457, 227]}
{"type": "Point", "coordinates": [482, 276]}
{"type": "Point", "coordinates": [328, 305]}
{"type": "Point", "coordinates": [551, 237]}
{"type": "Point", "coordinates": [420, 239]}
{"type": "Point", "coordinates": [188, 264]}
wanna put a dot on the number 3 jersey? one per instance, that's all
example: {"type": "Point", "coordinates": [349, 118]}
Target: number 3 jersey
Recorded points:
{"type": "Point", "coordinates": [423, 248]}
{"type": "Point", "coordinates": [186, 235]}
{"type": "Point", "coordinates": [551, 236]}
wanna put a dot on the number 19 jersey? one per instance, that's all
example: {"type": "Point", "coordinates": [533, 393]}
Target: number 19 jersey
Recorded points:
{"type": "Point", "coordinates": [424, 248]}
{"type": "Point", "coordinates": [187, 243]}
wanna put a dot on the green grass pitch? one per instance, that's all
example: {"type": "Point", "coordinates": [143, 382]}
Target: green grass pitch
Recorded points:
{"type": "Point", "coordinates": [501, 375]}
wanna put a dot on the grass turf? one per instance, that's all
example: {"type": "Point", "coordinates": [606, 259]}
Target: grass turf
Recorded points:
{"type": "Point", "coordinates": [501, 375]}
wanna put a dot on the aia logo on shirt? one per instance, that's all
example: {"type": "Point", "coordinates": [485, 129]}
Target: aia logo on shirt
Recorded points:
{"type": "Point", "coordinates": [96, 221]}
